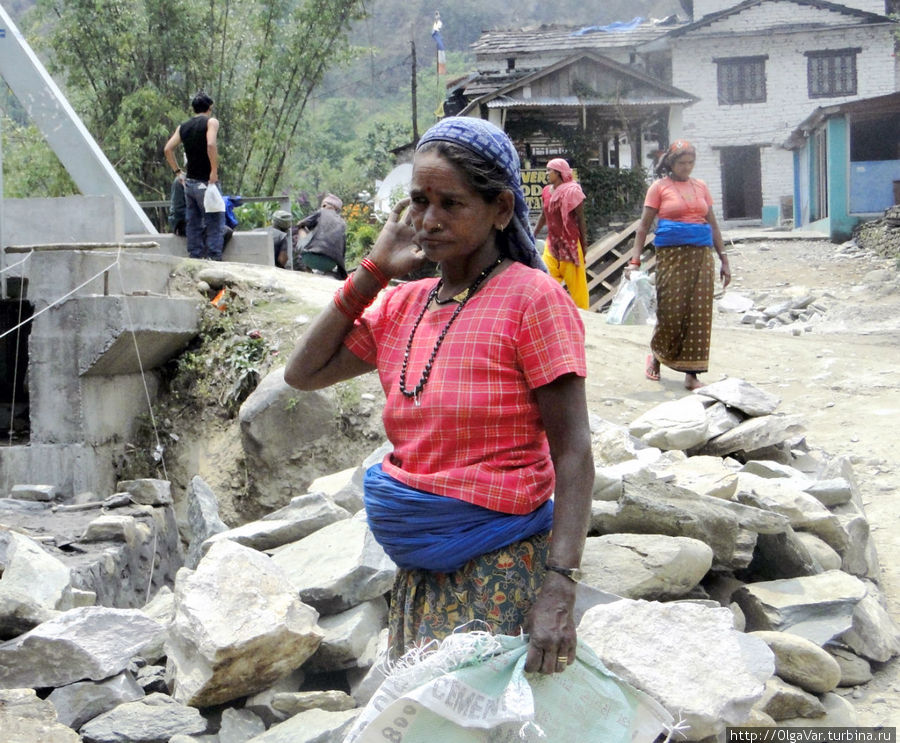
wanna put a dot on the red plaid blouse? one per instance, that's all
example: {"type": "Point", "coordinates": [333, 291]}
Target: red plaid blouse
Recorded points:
{"type": "Point", "coordinates": [477, 434]}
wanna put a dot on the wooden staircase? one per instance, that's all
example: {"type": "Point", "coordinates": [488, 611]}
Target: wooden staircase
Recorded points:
{"type": "Point", "coordinates": [606, 260]}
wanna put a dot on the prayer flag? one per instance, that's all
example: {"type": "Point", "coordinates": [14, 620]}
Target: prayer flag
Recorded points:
{"type": "Point", "coordinates": [439, 42]}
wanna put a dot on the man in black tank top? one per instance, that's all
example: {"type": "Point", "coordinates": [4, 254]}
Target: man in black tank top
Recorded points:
{"type": "Point", "coordinates": [205, 230]}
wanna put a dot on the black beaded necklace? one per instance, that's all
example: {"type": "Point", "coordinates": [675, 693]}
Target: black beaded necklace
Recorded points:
{"type": "Point", "coordinates": [461, 300]}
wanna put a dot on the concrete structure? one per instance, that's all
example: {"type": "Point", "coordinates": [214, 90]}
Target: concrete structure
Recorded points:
{"type": "Point", "coordinates": [79, 375]}
{"type": "Point", "coordinates": [846, 164]}
{"type": "Point", "coordinates": [244, 247]}
{"type": "Point", "coordinates": [68, 219]}
{"type": "Point", "coordinates": [101, 320]}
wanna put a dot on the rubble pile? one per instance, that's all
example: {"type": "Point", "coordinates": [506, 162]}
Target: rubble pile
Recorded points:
{"type": "Point", "coordinates": [881, 236]}
{"type": "Point", "coordinates": [714, 523]}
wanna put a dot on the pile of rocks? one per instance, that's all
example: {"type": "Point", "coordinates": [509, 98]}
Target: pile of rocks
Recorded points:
{"type": "Point", "coordinates": [794, 309]}
{"type": "Point", "coordinates": [882, 235]}
{"type": "Point", "coordinates": [729, 574]}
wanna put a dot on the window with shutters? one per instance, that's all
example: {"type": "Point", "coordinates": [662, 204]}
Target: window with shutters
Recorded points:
{"type": "Point", "coordinates": [831, 72]}
{"type": "Point", "coordinates": [742, 80]}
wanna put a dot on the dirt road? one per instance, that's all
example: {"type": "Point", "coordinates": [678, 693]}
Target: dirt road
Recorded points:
{"type": "Point", "coordinates": [841, 375]}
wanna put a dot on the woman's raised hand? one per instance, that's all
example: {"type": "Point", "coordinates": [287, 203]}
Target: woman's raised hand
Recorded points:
{"type": "Point", "coordinates": [394, 252]}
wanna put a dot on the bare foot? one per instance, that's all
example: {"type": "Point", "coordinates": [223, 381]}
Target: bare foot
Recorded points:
{"type": "Point", "coordinates": [651, 368]}
{"type": "Point", "coordinates": [691, 382]}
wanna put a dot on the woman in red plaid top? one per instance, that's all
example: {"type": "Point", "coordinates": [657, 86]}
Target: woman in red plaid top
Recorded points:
{"type": "Point", "coordinates": [483, 372]}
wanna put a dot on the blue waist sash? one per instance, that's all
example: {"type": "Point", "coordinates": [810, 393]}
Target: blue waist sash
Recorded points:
{"type": "Point", "coordinates": [670, 232]}
{"type": "Point", "coordinates": [433, 532]}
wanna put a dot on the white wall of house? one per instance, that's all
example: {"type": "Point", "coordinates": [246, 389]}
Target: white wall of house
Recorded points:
{"type": "Point", "coordinates": [711, 126]}
{"type": "Point", "coordinates": [705, 7]}
{"type": "Point", "coordinates": [531, 61]}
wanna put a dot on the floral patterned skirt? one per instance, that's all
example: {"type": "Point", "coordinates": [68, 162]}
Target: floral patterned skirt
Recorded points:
{"type": "Point", "coordinates": [493, 592]}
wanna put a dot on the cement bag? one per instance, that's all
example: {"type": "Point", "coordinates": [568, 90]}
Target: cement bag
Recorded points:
{"type": "Point", "coordinates": [635, 301]}
{"type": "Point", "coordinates": [473, 689]}
{"type": "Point", "coordinates": [212, 199]}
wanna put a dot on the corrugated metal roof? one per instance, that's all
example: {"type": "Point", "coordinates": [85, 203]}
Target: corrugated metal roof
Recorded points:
{"type": "Point", "coordinates": [554, 39]}
{"type": "Point", "coordinates": [574, 102]}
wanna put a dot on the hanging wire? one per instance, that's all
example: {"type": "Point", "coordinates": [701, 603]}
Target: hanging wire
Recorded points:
{"type": "Point", "coordinates": [12, 408]}
{"type": "Point", "coordinates": [117, 264]}
{"type": "Point", "coordinates": [159, 451]}
{"type": "Point", "coordinates": [15, 376]}
{"type": "Point", "coordinates": [28, 255]}
{"type": "Point", "coordinates": [56, 302]}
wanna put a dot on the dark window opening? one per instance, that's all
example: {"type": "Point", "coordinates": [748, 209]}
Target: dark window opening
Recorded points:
{"type": "Point", "coordinates": [875, 139]}
{"type": "Point", "coordinates": [510, 63]}
{"type": "Point", "coordinates": [14, 402]}
{"type": "Point", "coordinates": [741, 182]}
{"type": "Point", "coordinates": [741, 80]}
{"type": "Point", "coordinates": [831, 73]}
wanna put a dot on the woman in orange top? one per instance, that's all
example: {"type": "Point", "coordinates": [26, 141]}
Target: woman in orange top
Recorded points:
{"type": "Point", "coordinates": [566, 231]}
{"type": "Point", "coordinates": [685, 274]}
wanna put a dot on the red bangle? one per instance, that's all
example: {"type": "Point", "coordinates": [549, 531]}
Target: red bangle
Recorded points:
{"type": "Point", "coordinates": [634, 262]}
{"type": "Point", "coordinates": [370, 266]}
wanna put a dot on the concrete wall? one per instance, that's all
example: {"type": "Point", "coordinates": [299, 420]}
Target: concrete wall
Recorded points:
{"type": "Point", "coordinates": [73, 468]}
{"type": "Point", "coordinates": [69, 219]}
{"type": "Point", "coordinates": [104, 319]}
{"type": "Point", "coordinates": [710, 126]}
{"type": "Point", "coordinates": [243, 247]}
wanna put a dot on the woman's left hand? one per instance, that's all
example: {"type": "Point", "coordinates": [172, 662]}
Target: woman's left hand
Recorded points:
{"type": "Point", "coordinates": [552, 626]}
{"type": "Point", "coordinates": [725, 272]}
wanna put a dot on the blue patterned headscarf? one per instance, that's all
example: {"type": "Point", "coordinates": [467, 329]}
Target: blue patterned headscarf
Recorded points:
{"type": "Point", "coordinates": [493, 144]}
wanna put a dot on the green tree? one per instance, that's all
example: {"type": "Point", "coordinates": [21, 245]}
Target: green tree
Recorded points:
{"type": "Point", "coordinates": [132, 74]}
{"type": "Point", "coordinates": [29, 165]}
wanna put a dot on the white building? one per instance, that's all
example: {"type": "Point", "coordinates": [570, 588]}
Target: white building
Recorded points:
{"type": "Point", "coordinates": [759, 68]}
{"type": "Point", "coordinates": [747, 74]}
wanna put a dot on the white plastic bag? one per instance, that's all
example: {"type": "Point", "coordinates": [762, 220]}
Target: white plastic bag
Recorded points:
{"type": "Point", "coordinates": [212, 199]}
{"type": "Point", "coordinates": [635, 301]}
{"type": "Point", "coordinates": [473, 689]}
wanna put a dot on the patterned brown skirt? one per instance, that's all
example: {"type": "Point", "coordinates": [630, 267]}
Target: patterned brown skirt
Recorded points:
{"type": "Point", "coordinates": [685, 281]}
{"type": "Point", "coordinates": [493, 593]}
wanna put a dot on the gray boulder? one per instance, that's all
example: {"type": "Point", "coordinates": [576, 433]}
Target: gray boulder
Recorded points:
{"type": "Point", "coordinates": [86, 643]}
{"type": "Point", "coordinates": [817, 607]}
{"type": "Point", "coordinates": [313, 726]}
{"type": "Point", "coordinates": [82, 701]}
{"type": "Point", "coordinates": [276, 420]}
{"type": "Point", "coordinates": [153, 719]}
{"type": "Point", "coordinates": [239, 627]}
{"type": "Point", "coordinates": [148, 491]}
{"type": "Point", "coordinates": [800, 662]}
{"type": "Point", "coordinates": [357, 569]}
{"type": "Point", "coordinates": [304, 515]}
{"type": "Point", "coordinates": [33, 584]}
{"type": "Point", "coordinates": [347, 636]}
{"type": "Point", "coordinates": [739, 394]}
{"type": "Point", "coordinates": [645, 566]}
{"type": "Point", "coordinates": [25, 718]}
{"type": "Point", "coordinates": [783, 701]}
{"type": "Point", "coordinates": [677, 424]}
{"type": "Point", "coordinates": [202, 519]}
{"type": "Point", "coordinates": [754, 434]}
{"type": "Point", "coordinates": [626, 636]}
